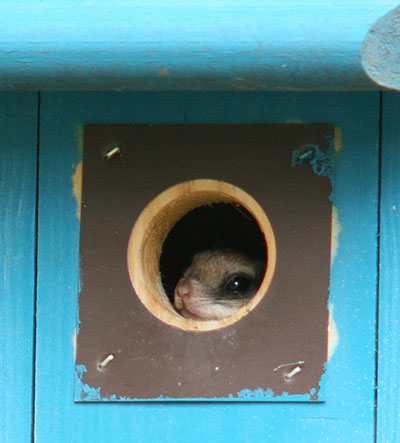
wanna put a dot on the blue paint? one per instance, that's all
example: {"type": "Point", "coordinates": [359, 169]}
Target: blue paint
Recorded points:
{"type": "Point", "coordinates": [322, 162]}
{"type": "Point", "coordinates": [388, 422]}
{"type": "Point", "coordinates": [251, 394]}
{"type": "Point", "coordinates": [180, 45]}
{"type": "Point", "coordinates": [268, 395]}
{"type": "Point", "coordinates": [18, 124]}
{"type": "Point", "coordinates": [86, 393]}
{"type": "Point", "coordinates": [348, 413]}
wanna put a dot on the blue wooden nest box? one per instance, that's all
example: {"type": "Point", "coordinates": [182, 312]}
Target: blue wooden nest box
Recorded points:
{"type": "Point", "coordinates": [67, 66]}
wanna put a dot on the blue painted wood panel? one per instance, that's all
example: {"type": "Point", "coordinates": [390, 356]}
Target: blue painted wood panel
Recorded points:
{"type": "Point", "coordinates": [178, 45]}
{"type": "Point", "coordinates": [348, 413]}
{"type": "Point", "coordinates": [388, 423]}
{"type": "Point", "coordinates": [18, 140]}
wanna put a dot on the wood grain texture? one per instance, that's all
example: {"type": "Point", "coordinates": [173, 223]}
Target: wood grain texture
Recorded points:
{"type": "Point", "coordinates": [18, 138]}
{"type": "Point", "coordinates": [179, 45]}
{"type": "Point", "coordinates": [389, 299]}
{"type": "Point", "coordinates": [348, 413]}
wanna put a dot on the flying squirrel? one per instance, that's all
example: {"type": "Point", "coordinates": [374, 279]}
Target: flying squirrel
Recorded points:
{"type": "Point", "coordinates": [217, 283]}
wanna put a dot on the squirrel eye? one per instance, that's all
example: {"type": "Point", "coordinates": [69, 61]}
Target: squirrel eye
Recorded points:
{"type": "Point", "coordinates": [238, 284]}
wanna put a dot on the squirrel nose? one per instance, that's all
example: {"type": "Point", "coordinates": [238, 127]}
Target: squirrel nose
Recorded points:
{"type": "Point", "coordinates": [182, 289]}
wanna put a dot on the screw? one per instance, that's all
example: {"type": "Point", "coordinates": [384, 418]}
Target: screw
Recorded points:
{"type": "Point", "coordinates": [107, 360]}
{"type": "Point", "coordinates": [113, 152]}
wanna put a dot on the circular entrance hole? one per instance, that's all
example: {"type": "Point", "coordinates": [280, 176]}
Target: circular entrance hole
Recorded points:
{"type": "Point", "coordinates": [188, 218]}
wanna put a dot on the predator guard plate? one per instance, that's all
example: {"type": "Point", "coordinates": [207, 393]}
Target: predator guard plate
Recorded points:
{"type": "Point", "coordinates": [277, 351]}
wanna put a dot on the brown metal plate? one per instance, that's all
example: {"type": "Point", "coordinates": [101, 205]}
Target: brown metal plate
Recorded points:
{"type": "Point", "coordinates": [249, 359]}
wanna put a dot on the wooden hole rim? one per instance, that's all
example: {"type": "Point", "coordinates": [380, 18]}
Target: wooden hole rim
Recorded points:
{"type": "Point", "coordinates": [151, 229]}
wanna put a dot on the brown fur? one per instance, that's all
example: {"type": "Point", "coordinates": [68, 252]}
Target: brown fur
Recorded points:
{"type": "Point", "coordinates": [201, 292]}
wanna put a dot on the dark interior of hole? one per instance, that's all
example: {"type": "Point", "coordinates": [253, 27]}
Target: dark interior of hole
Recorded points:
{"type": "Point", "coordinates": [219, 225]}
